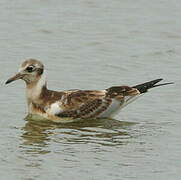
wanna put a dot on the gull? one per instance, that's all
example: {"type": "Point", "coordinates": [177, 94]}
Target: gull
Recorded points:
{"type": "Point", "coordinates": [71, 105]}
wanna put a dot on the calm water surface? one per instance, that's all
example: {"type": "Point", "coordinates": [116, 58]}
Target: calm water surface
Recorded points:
{"type": "Point", "coordinates": [93, 45]}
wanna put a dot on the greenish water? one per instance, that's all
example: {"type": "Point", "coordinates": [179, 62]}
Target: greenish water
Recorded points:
{"type": "Point", "coordinates": [93, 45]}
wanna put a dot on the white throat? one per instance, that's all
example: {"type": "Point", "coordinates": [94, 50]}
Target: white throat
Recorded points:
{"type": "Point", "coordinates": [33, 92]}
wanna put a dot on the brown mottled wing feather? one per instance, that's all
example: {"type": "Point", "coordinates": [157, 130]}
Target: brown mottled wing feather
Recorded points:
{"type": "Point", "coordinates": [74, 99]}
{"type": "Point", "coordinates": [86, 110]}
{"type": "Point", "coordinates": [121, 91]}
{"type": "Point", "coordinates": [81, 104]}
{"type": "Point", "coordinates": [86, 104]}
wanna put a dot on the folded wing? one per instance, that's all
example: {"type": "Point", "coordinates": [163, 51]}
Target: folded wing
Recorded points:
{"type": "Point", "coordinates": [92, 104]}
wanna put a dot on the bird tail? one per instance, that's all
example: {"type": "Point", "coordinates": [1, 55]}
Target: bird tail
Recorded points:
{"type": "Point", "coordinates": [148, 85]}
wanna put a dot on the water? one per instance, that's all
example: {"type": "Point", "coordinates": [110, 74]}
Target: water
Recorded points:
{"type": "Point", "coordinates": [93, 45]}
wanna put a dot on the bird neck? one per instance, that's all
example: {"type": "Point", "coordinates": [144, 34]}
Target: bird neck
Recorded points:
{"type": "Point", "coordinates": [35, 89]}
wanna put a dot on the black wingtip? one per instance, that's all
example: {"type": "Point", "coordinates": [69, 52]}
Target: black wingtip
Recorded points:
{"type": "Point", "coordinates": [148, 85]}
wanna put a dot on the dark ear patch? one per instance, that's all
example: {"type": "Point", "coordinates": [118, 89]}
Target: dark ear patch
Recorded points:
{"type": "Point", "coordinates": [40, 71]}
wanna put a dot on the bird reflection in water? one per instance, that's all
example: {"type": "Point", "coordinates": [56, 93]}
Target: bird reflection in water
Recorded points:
{"type": "Point", "coordinates": [37, 135]}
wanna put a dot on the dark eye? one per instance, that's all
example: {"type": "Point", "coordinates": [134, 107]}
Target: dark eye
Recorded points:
{"type": "Point", "coordinates": [30, 68]}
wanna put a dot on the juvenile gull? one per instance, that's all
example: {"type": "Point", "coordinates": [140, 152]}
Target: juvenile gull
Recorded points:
{"type": "Point", "coordinates": [71, 105]}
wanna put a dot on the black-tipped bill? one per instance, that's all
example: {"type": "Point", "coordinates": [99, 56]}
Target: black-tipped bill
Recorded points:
{"type": "Point", "coordinates": [14, 78]}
